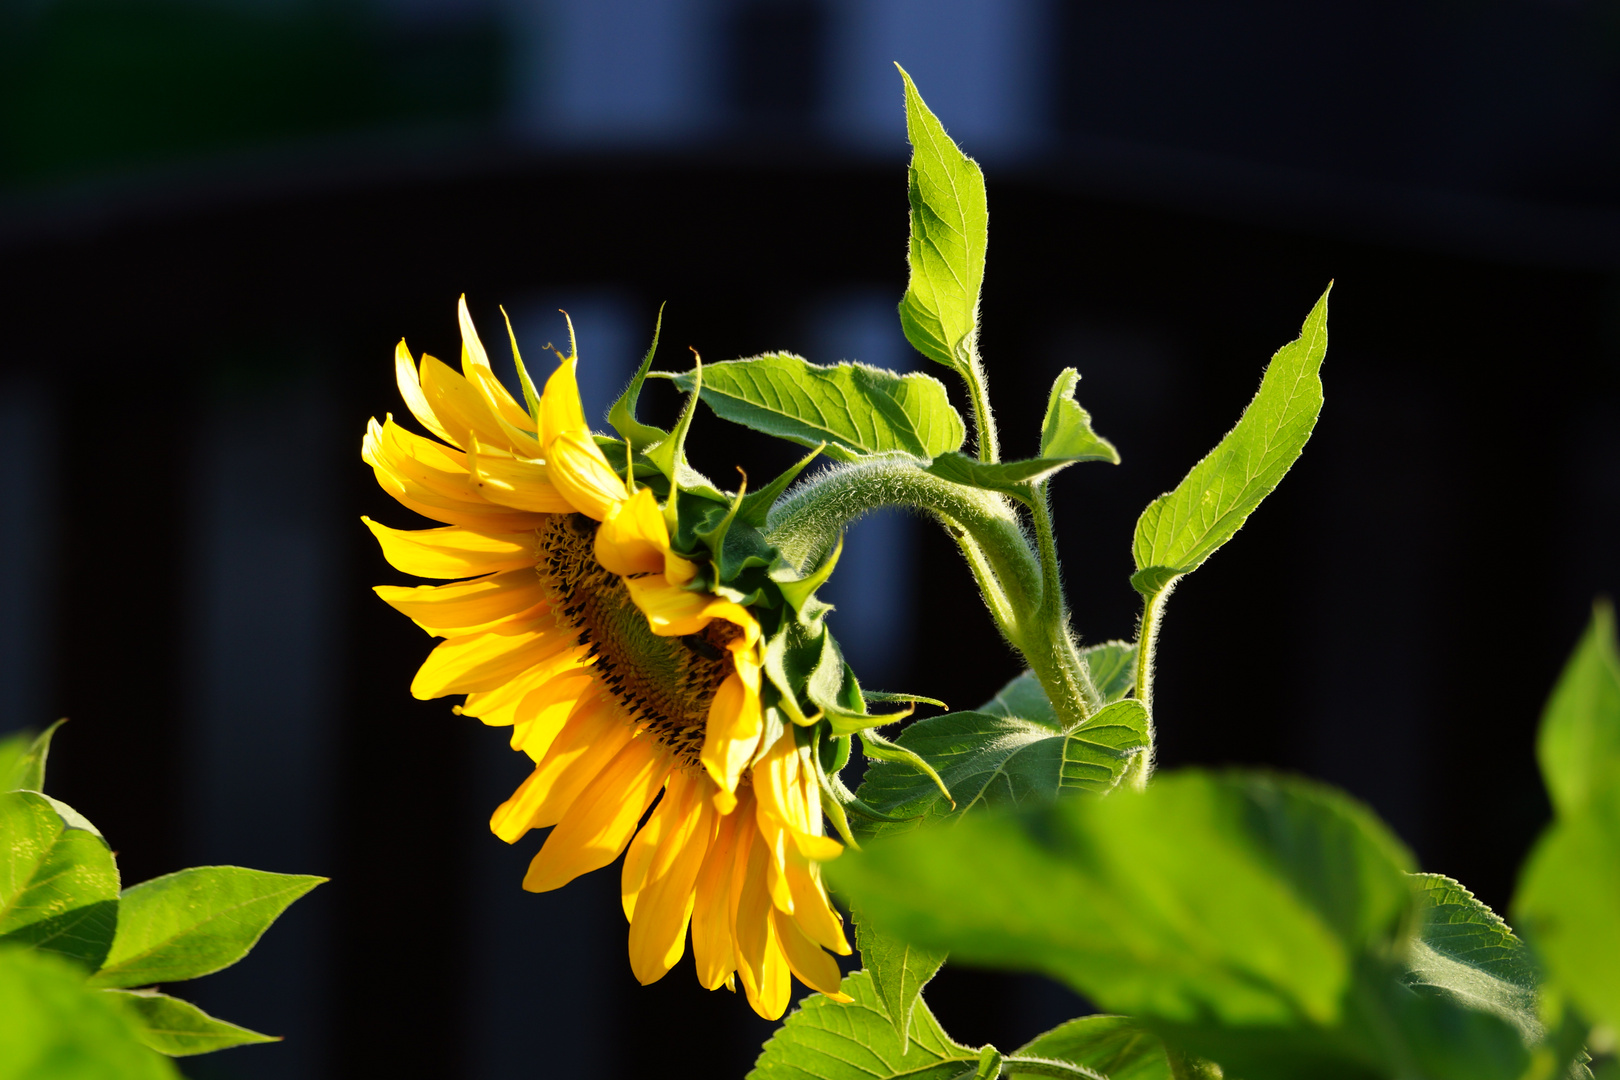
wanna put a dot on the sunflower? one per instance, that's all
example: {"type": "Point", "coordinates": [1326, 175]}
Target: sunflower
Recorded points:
{"type": "Point", "coordinates": [570, 618]}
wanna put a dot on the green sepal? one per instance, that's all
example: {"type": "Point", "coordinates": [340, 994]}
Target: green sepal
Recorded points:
{"type": "Point", "coordinates": [22, 768]}
{"type": "Point", "coordinates": [623, 413]}
{"type": "Point", "coordinates": [670, 454]}
{"type": "Point", "coordinates": [880, 749]}
{"type": "Point", "coordinates": [885, 697]}
{"type": "Point", "coordinates": [834, 752]}
{"type": "Point", "coordinates": [530, 397]}
{"type": "Point", "coordinates": [756, 508]}
{"type": "Point", "coordinates": [800, 591]}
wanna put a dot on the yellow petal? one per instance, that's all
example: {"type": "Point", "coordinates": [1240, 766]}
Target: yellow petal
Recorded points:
{"type": "Point", "coordinates": [643, 850]}
{"type": "Point", "coordinates": [712, 950]}
{"type": "Point", "coordinates": [760, 961]}
{"type": "Point", "coordinates": [590, 739]}
{"type": "Point", "coordinates": [561, 411]}
{"type": "Point", "coordinates": [812, 909]}
{"type": "Point", "coordinates": [670, 611]}
{"type": "Point", "coordinates": [499, 707]}
{"type": "Point", "coordinates": [632, 538]}
{"type": "Point", "coordinates": [452, 552]}
{"type": "Point", "coordinates": [543, 711]}
{"type": "Point", "coordinates": [464, 605]}
{"type": "Point", "coordinates": [459, 407]}
{"type": "Point", "coordinates": [602, 819]}
{"type": "Point", "coordinates": [410, 389]}
{"type": "Point", "coordinates": [419, 464]}
{"type": "Point", "coordinates": [475, 366]}
{"type": "Point", "coordinates": [484, 516]}
{"type": "Point", "coordinates": [464, 665]}
{"type": "Point", "coordinates": [577, 468]}
{"type": "Point", "coordinates": [732, 732]}
{"type": "Point", "coordinates": [519, 483]}
{"type": "Point", "coordinates": [664, 909]}
{"type": "Point", "coordinates": [814, 968]}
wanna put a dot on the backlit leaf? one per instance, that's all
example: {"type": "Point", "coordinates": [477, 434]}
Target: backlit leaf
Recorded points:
{"type": "Point", "coordinates": [193, 922]}
{"type": "Point", "coordinates": [178, 1028]}
{"type": "Point", "coordinates": [58, 882]}
{"type": "Point", "coordinates": [949, 227]}
{"type": "Point", "coordinates": [1466, 951]}
{"type": "Point", "coordinates": [826, 1040]}
{"type": "Point", "coordinates": [1182, 528]}
{"type": "Point", "coordinates": [854, 409]}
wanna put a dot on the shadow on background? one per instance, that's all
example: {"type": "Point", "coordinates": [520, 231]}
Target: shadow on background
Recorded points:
{"type": "Point", "coordinates": [216, 220]}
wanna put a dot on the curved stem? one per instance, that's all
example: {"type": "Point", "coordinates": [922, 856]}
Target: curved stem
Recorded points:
{"type": "Point", "coordinates": [1147, 640]}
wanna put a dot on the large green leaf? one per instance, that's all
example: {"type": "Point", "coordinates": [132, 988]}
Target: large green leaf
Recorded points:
{"type": "Point", "coordinates": [1119, 1047]}
{"type": "Point", "coordinates": [194, 922]}
{"type": "Point", "coordinates": [1113, 671]}
{"type": "Point", "coordinates": [1568, 905]}
{"type": "Point", "coordinates": [54, 1028]}
{"type": "Point", "coordinates": [1247, 918]}
{"type": "Point", "coordinates": [949, 226]}
{"type": "Point", "coordinates": [1579, 742]}
{"type": "Point", "coordinates": [854, 409]}
{"type": "Point", "coordinates": [58, 881]}
{"type": "Point", "coordinates": [22, 760]}
{"type": "Point", "coordinates": [899, 970]}
{"type": "Point", "coordinates": [990, 760]}
{"type": "Point", "coordinates": [826, 1040]}
{"type": "Point", "coordinates": [1182, 528]}
{"type": "Point", "coordinates": [178, 1028]}
{"type": "Point", "coordinates": [1466, 951]}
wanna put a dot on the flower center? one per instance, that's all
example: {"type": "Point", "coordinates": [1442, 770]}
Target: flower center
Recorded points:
{"type": "Point", "coordinates": [664, 683]}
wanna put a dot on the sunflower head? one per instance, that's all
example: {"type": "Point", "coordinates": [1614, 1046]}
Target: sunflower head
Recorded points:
{"type": "Point", "coordinates": [649, 649]}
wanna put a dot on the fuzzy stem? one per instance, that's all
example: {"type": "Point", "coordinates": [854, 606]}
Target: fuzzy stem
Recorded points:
{"type": "Point", "coordinates": [1065, 678]}
{"type": "Point", "coordinates": [984, 421]}
{"type": "Point", "coordinates": [1018, 1065]}
{"type": "Point", "coordinates": [1147, 640]}
{"type": "Point", "coordinates": [809, 520]}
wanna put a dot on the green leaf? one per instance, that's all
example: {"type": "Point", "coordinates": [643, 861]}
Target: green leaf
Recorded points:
{"type": "Point", "coordinates": [949, 227]}
{"type": "Point", "coordinates": [854, 409]}
{"type": "Point", "coordinates": [1182, 528]}
{"type": "Point", "coordinates": [990, 760]}
{"type": "Point", "coordinates": [1579, 742]}
{"type": "Point", "coordinates": [1246, 918]}
{"type": "Point", "coordinates": [194, 922]}
{"type": "Point", "coordinates": [58, 881]}
{"type": "Point", "coordinates": [1467, 952]}
{"type": "Point", "coordinates": [826, 1040]}
{"type": "Point", "coordinates": [1566, 905]}
{"type": "Point", "coordinates": [899, 971]}
{"type": "Point", "coordinates": [622, 416]}
{"type": "Point", "coordinates": [52, 1026]}
{"type": "Point", "coordinates": [22, 762]}
{"type": "Point", "coordinates": [178, 1028]}
{"type": "Point", "coordinates": [1066, 433]}
{"type": "Point", "coordinates": [1113, 671]}
{"type": "Point", "coordinates": [1119, 1047]}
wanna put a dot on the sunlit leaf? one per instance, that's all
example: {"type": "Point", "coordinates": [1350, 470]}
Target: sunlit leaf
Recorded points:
{"type": "Point", "coordinates": [1066, 439]}
{"type": "Point", "coordinates": [990, 760]}
{"type": "Point", "coordinates": [194, 922]}
{"type": "Point", "coordinates": [949, 226]}
{"type": "Point", "coordinates": [52, 1026]}
{"type": "Point", "coordinates": [899, 971]}
{"type": "Point", "coordinates": [178, 1028]}
{"type": "Point", "coordinates": [58, 881]}
{"type": "Point", "coordinates": [1182, 528]}
{"type": "Point", "coordinates": [854, 409]}
{"type": "Point", "coordinates": [1119, 1047]}
{"type": "Point", "coordinates": [826, 1040]}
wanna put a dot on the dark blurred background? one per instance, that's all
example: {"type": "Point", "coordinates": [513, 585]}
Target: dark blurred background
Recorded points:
{"type": "Point", "coordinates": [218, 216]}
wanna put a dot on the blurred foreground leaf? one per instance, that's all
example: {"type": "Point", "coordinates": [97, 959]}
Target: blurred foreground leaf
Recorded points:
{"type": "Point", "coordinates": [1119, 1047]}
{"type": "Point", "coordinates": [58, 881]}
{"type": "Point", "coordinates": [52, 1027]}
